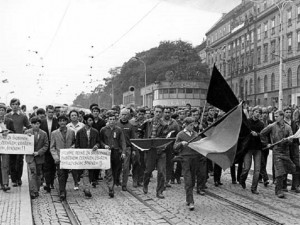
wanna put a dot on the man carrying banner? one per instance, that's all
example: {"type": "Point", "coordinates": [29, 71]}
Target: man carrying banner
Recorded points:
{"type": "Point", "coordinates": [35, 161]}
{"type": "Point", "coordinates": [112, 137]}
{"type": "Point", "coordinates": [88, 138]}
{"type": "Point", "coordinates": [279, 132]}
{"type": "Point", "coordinates": [155, 157]}
{"type": "Point", "coordinates": [190, 158]}
{"type": "Point", "coordinates": [61, 138]}
{"type": "Point", "coordinates": [6, 126]}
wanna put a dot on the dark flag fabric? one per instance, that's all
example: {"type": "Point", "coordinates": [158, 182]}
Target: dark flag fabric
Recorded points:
{"type": "Point", "coordinates": [220, 95]}
{"type": "Point", "coordinates": [221, 145]}
{"type": "Point", "coordinates": [147, 144]}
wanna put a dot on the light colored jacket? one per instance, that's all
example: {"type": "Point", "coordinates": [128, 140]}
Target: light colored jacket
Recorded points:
{"type": "Point", "coordinates": [40, 146]}
{"type": "Point", "coordinates": [57, 142]}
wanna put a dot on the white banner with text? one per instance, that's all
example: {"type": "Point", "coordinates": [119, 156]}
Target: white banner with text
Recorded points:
{"type": "Point", "coordinates": [76, 158]}
{"type": "Point", "coordinates": [16, 144]}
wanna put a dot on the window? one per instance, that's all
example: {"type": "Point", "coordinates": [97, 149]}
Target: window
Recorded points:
{"type": "Point", "coordinates": [298, 41]}
{"type": "Point", "coordinates": [289, 78]}
{"type": "Point", "coordinates": [172, 92]}
{"type": "Point", "coordinates": [273, 49]}
{"type": "Point", "coordinates": [265, 52]}
{"type": "Point", "coordinates": [181, 92]}
{"type": "Point", "coordinates": [289, 16]}
{"type": "Point", "coordinates": [243, 42]}
{"type": "Point", "coordinates": [252, 36]}
{"type": "Point", "coordinates": [265, 5]}
{"type": "Point", "coordinates": [160, 94]}
{"type": "Point", "coordinates": [189, 93]}
{"type": "Point", "coordinates": [273, 26]}
{"type": "Point", "coordinates": [298, 13]}
{"type": "Point", "coordinates": [266, 30]}
{"type": "Point", "coordinates": [258, 8]}
{"type": "Point", "coordinates": [272, 82]}
{"type": "Point", "coordinates": [258, 33]}
{"type": "Point", "coordinates": [251, 58]}
{"type": "Point", "coordinates": [246, 89]}
{"type": "Point", "coordinates": [289, 43]}
{"type": "Point", "coordinates": [196, 93]}
{"type": "Point", "coordinates": [165, 93]}
{"type": "Point", "coordinates": [251, 87]}
{"type": "Point", "coordinates": [265, 83]}
{"type": "Point", "coordinates": [258, 85]}
{"type": "Point", "coordinates": [258, 55]}
{"type": "Point", "coordinates": [242, 61]}
{"type": "Point", "coordinates": [298, 76]}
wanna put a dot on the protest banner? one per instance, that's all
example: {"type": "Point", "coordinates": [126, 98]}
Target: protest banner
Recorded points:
{"type": "Point", "coordinates": [16, 144]}
{"type": "Point", "coordinates": [75, 158]}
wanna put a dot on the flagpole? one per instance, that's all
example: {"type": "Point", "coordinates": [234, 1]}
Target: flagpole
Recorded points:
{"type": "Point", "coordinates": [202, 116]}
{"type": "Point", "coordinates": [213, 124]}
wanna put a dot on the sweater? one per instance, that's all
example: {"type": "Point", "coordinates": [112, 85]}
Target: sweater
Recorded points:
{"type": "Point", "coordinates": [184, 150]}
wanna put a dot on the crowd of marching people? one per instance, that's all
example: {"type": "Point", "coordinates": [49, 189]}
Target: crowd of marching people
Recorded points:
{"type": "Point", "coordinates": [114, 129]}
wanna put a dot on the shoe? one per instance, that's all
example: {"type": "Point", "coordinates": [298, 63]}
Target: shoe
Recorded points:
{"type": "Point", "coordinates": [191, 207]}
{"type": "Point", "coordinates": [124, 188]}
{"type": "Point", "coordinates": [19, 182]}
{"type": "Point", "coordinates": [200, 192]}
{"type": "Point", "coordinates": [280, 195]}
{"type": "Point", "coordinates": [111, 193]}
{"type": "Point", "coordinates": [36, 194]}
{"type": "Point", "coordinates": [220, 183]}
{"type": "Point", "coordinates": [243, 184]}
{"type": "Point", "coordinates": [5, 188]}
{"type": "Point", "coordinates": [47, 188]}
{"type": "Point", "coordinates": [145, 189]}
{"type": "Point", "coordinates": [100, 179]}
{"type": "Point", "coordinates": [172, 182]}
{"type": "Point", "coordinates": [178, 181]}
{"type": "Point", "coordinates": [205, 187]}
{"type": "Point", "coordinates": [216, 183]}
{"type": "Point", "coordinates": [255, 192]}
{"type": "Point", "coordinates": [87, 193]}
{"type": "Point", "coordinates": [260, 181]}
{"type": "Point", "coordinates": [266, 183]}
{"type": "Point", "coordinates": [32, 195]}
{"type": "Point", "coordinates": [94, 184]}
{"type": "Point", "coordinates": [168, 185]}
{"type": "Point", "coordinates": [118, 183]}
{"type": "Point", "coordinates": [76, 188]}
{"type": "Point", "coordinates": [234, 182]}
{"type": "Point", "coordinates": [160, 195]}
{"type": "Point", "coordinates": [297, 189]}
{"type": "Point", "coordinates": [62, 196]}
{"type": "Point", "coordinates": [140, 184]}
{"type": "Point", "coordinates": [51, 186]}
{"type": "Point", "coordinates": [14, 184]}
{"type": "Point", "coordinates": [285, 189]}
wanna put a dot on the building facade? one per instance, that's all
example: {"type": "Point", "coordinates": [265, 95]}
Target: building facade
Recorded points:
{"type": "Point", "coordinates": [245, 45]}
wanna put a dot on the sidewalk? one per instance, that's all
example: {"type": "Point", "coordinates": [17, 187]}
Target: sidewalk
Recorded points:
{"type": "Point", "coordinates": [15, 204]}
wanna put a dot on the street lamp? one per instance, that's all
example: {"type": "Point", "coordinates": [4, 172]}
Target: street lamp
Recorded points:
{"type": "Point", "coordinates": [11, 92]}
{"type": "Point", "coordinates": [145, 71]}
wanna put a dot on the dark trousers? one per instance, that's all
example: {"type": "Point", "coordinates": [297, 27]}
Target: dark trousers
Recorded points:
{"type": "Point", "coordinates": [35, 174]}
{"type": "Point", "coordinates": [49, 168]}
{"type": "Point", "coordinates": [4, 169]}
{"type": "Point", "coordinates": [113, 173]}
{"type": "Point", "coordinates": [294, 154]}
{"type": "Point", "coordinates": [189, 170]}
{"type": "Point", "coordinates": [263, 165]}
{"type": "Point", "coordinates": [279, 184]}
{"type": "Point", "coordinates": [62, 175]}
{"type": "Point", "coordinates": [176, 174]}
{"type": "Point", "coordinates": [16, 167]}
{"type": "Point", "coordinates": [126, 166]}
{"type": "Point", "coordinates": [142, 166]}
{"type": "Point", "coordinates": [217, 173]}
{"type": "Point", "coordinates": [136, 166]}
{"type": "Point", "coordinates": [169, 164]}
{"type": "Point", "coordinates": [256, 154]}
{"type": "Point", "coordinates": [201, 172]}
{"type": "Point", "coordinates": [153, 159]}
{"type": "Point", "coordinates": [239, 171]}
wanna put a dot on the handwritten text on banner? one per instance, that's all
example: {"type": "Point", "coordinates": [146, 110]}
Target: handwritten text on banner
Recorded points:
{"type": "Point", "coordinates": [16, 144]}
{"type": "Point", "coordinates": [84, 159]}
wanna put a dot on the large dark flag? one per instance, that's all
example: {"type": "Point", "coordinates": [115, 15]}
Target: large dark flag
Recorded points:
{"type": "Point", "coordinates": [220, 146]}
{"type": "Point", "coordinates": [220, 95]}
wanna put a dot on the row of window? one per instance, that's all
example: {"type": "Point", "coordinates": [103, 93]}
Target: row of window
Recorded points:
{"type": "Point", "coordinates": [249, 87]}
{"type": "Point", "coordinates": [172, 93]}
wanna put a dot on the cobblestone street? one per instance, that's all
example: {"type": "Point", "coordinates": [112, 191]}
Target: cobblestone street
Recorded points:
{"type": "Point", "coordinates": [226, 204]}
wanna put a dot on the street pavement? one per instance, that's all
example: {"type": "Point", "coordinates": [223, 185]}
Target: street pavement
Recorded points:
{"type": "Point", "coordinates": [15, 204]}
{"type": "Point", "coordinates": [226, 204]}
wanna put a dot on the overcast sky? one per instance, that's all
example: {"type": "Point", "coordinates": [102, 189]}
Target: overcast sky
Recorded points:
{"type": "Point", "coordinates": [45, 45]}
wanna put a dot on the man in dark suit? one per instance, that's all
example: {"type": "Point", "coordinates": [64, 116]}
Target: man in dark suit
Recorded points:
{"type": "Point", "coordinates": [88, 138]}
{"type": "Point", "coordinates": [36, 160]}
{"type": "Point", "coordinates": [6, 126]}
{"type": "Point", "coordinates": [49, 124]}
